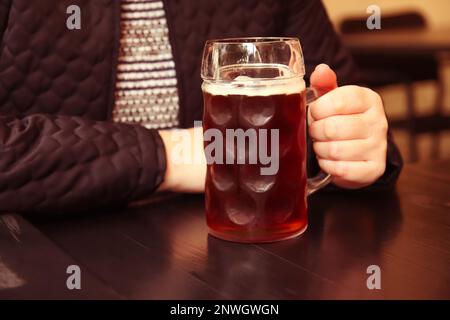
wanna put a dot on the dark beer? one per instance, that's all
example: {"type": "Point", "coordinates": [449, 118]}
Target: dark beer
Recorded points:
{"type": "Point", "coordinates": [241, 203]}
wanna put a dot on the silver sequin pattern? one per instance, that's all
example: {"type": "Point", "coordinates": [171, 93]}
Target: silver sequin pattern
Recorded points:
{"type": "Point", "coordinates": [146, 87]}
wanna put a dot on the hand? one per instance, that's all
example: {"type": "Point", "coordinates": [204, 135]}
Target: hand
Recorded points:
{"type": "Point", "coordinates": [348, 127]}
{"type": "Point", "coordinates": [185, 160]}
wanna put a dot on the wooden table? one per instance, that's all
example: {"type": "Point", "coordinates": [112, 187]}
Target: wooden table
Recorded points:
{"type": "Point", "coordinates": [162, 251]}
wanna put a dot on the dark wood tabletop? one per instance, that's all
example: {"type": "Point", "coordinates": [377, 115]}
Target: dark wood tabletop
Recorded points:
{"type": "Point", "coordinates": [162, 250]}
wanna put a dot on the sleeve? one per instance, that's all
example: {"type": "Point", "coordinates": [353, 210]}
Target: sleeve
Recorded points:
{"type": "Point", "coordinates": [61, 164]}
{"type": "Point", "coordinates": [309, 21]}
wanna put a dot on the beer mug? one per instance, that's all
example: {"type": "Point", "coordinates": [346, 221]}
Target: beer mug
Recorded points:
{"type": "Point", "coordinates": [254, 122]}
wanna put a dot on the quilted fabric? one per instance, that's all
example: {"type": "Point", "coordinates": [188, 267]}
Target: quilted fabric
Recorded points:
{"type": "Point", "coordinates": [54, 84]}
{"type": "Point", "coordinates": [58, 149]}
{"type": "Point", "coordinates": [45, 68]}
{"type": "Point", "coordinates": [57, 163]}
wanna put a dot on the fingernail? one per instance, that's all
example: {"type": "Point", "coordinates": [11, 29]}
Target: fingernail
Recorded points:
{"type": "Point", "coordinates": [322, 65]}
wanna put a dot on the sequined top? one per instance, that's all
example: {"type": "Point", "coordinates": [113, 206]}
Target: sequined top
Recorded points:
{"type": "Point", "coordinates": [146, 87]}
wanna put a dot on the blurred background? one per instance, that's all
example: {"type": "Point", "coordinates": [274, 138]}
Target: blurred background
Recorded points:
{"type": "Point", "coordinates": [407, 61]}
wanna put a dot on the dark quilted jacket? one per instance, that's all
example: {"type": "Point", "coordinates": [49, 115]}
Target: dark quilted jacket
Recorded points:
{"type": "Point", "coordinates": [59, 151]}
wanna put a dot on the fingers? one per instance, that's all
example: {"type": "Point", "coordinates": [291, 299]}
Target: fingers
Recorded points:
{"type": "Point", "coordinates": [340, 128]}
{"type": "Point", "coordinates": [323, 79]}
{"type": "Point", "coordinates": [347, 150]}
{"type": "Point", "coordinates": [341, 101]}
{"type": "Point", "coordinates": [348, 127]}
{"type": "Point", "coordinates": [353, 173]}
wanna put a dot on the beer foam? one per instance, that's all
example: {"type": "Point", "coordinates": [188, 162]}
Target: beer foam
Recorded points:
{"type": "Point", "coordinates": [247, 86]}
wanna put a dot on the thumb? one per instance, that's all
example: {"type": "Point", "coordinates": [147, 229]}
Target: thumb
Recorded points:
{"type": "Point", "coordinates": [323, 79]}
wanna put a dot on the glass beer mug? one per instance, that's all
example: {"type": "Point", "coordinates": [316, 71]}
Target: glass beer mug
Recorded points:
{"type": "Point", "coordinates": [254, 125]}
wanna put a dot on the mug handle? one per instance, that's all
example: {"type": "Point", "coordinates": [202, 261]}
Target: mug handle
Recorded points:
{"type": "Point", "coordinates": [322, 178]}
